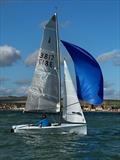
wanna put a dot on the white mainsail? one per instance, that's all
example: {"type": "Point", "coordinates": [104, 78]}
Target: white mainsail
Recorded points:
{"type": "Point", "coordinates": [44, 93]}
{"type": "Point", "coordinates": [72, 111]}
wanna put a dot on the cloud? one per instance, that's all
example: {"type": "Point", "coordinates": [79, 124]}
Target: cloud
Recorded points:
{"type": "Point", "coordinates": [65, 24]}
{"type": "Point", "coordinates": [23, 82]}
{"type": "Point", "coordinates": [110, 92]}
{"type": "Point", "coordinates": [5, 91]}
{"type": "Point", "coordinates": [3, 79]}
{"type": "Point", "coordinates": [107, 56]}
{"type": "Point", "coordinates": [32, 58]}
{"type": "Point", "coordinates": [108, 85]}
{"type": "Point", "coordinates": [114, 56]}
{"type": "Point", "coordinates": [21, 91]}
{"type": "Point", "coordinates": [8, 55]}
{"type": "Point", "coordinates": [116, 60]}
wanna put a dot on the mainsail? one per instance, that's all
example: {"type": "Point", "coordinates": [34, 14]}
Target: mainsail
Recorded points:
{"type": "Point", "coordinates": [72, 111]}
{"type": "Point", "coordinates": [44, 93]}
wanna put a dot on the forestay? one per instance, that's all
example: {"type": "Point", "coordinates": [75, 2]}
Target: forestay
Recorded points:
{"type": "Point", "coordinates": [44, 93]}
{"type": "Point", "coordinates": [72, 111]}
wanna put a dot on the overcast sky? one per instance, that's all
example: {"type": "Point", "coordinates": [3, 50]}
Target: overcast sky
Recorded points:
{"type": "Point", "coordinates": [91, 24]}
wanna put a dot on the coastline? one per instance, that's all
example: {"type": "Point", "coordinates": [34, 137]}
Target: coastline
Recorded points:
{"type": "Point", "coordinates": [22, 109]}
{"type": "Point", "coordinates": [18, 104]}
{"type": "Point", "coordinates": [104, 111]}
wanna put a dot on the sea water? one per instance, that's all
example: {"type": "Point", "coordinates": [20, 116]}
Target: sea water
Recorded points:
{"type": "Point", "coordinates": [101, 143]}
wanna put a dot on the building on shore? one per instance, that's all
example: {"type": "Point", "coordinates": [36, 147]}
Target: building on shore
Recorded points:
{"type": "Point", "coordinates": [107, 105]}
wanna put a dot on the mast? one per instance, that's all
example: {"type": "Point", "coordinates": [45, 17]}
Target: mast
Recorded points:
{"type": "Point", "coordinates": [59, 68]}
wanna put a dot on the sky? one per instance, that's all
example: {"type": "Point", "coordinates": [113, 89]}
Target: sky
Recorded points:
{"type": "Point", "coordinates": [91, 24]}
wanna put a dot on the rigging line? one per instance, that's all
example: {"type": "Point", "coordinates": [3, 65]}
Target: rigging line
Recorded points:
{"type": "Point", "coordinates": [72, 104]}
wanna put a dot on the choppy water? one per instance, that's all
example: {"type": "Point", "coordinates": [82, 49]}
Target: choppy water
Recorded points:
{"type": "Point", "coordinates": [101, 143]}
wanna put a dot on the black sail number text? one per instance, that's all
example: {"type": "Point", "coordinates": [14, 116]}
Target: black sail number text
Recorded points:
{"type": "Point", "coordinates": [46, 59]}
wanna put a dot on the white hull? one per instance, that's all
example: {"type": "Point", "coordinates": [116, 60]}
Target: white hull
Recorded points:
{"type": "Point", "coordinates": [80, 129]}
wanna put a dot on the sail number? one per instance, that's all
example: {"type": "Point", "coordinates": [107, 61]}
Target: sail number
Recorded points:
{"type": "Point", "coordinates": [46, 59]}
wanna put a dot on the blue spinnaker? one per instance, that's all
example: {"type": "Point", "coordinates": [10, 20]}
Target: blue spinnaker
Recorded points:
{"type": "Point", "coordinates": [89, 77]}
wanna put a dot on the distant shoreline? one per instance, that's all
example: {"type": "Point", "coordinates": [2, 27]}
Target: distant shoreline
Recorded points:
{"type": "Point", "coordinates": [86, 111]}
{"type": "Point", "coordinates": [18, 104]}
{"type": "Point", "coordinates": [103, 111]}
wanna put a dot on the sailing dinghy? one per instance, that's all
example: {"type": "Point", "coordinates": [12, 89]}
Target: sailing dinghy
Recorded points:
{"type": "Point", "coordinates": [44, 94]}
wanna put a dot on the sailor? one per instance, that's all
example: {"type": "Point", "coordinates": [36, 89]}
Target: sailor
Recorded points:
{"type": "Point", "coordinates": [44, 122]}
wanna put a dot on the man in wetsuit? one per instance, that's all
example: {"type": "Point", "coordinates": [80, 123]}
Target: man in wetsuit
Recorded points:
{"type": "Point", "coordinates": [44, 122]}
